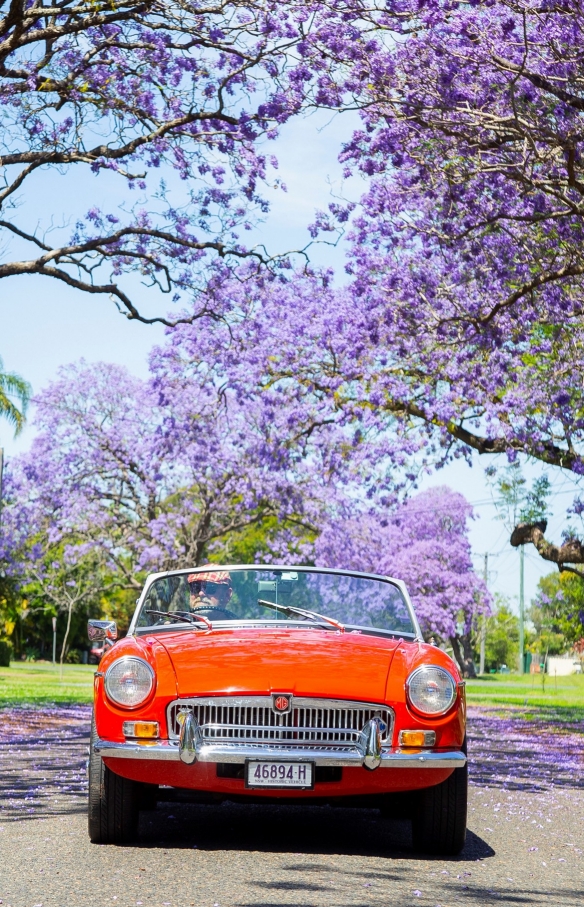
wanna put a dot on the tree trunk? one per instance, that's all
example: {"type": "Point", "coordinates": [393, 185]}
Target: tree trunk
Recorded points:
{"type": "Point", "coordinates": [64, 646]}
{"type": "Point", "coordinates": [462, 648]}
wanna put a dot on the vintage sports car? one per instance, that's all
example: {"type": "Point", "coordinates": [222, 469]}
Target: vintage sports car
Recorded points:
{"type": "Point", "coordinates": [262, 682]}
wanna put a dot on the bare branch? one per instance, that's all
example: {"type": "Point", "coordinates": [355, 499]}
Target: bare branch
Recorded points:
{"type": "Point", "coordinates": [571, 552]}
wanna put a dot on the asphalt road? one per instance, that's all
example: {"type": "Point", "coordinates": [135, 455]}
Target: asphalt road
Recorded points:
{"type": "Point", "coordinates": [525, 843]}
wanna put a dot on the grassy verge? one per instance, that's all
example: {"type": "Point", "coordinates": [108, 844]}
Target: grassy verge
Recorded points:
{"type": "Point", "coordinates": [529, 690]}
{"type": "Point", "coordinates": [39, 682]}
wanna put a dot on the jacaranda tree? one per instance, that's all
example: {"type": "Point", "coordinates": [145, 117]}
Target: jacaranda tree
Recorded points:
{"type": "Point", "coordinates": [127, 476]}
{"type": "Point", "coordinates": [423, 541]}
{"type": "Point", "coordinates": [147, 475]}
{"type": "Point", "coordinates": [163, 111]}
{"type": "Point", "coordinates": [466, 266]}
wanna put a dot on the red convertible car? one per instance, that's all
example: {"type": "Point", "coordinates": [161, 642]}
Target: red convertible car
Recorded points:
{"type": "Point", "coordinates": [262, 682]}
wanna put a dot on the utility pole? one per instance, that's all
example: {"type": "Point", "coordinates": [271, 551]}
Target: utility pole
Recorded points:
{"type": "Point", "coordinates": [54, 641]}
{"type": "Point", "coordinates": [484, 622]}
{"type": "Point", "coordinates": [521, 608]}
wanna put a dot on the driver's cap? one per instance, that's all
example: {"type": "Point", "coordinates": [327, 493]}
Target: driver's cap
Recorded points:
{"type": "Point", "coordinates": [221, 577]}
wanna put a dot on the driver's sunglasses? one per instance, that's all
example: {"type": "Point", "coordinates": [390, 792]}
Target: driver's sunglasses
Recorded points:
{"type": "Point", "coordinates": [206, 586]}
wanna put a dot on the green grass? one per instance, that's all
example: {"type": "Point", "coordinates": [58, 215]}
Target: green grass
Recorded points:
{"type": "Point", "coordinates": [527, 690]}
{"type": "Point", "coordinates": [39, 682]}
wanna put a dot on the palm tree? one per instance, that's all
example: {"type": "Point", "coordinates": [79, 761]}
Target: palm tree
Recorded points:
{"type": "Point", "coordinates": [13, 386]}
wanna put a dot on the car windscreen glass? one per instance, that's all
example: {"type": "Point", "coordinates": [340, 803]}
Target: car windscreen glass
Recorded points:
{"type": "Point", "coordinates": [235, 595]}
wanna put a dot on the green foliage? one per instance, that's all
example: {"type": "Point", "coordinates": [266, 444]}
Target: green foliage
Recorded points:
{"type": "Point", "coordinates": [558, 612]}
{"type": "Point", "coordinates": [502, 637]}
{"type": "Point", "coordinates": [515, 502]}
{"type": "Point", "coordinates": [26, 613]}
{"type": "Point", "coordinates": [5, 653]}
{"type": "Point", "coordinates": [12, 385]}
{"type": "Point", "coordinates": [251, 545]}
{"type": "Point", "coordinates": [9, 607]}
{"type": "Point", "coordinates": [117, 603]}
{"type": "Point", "coordinates": [535, 505]}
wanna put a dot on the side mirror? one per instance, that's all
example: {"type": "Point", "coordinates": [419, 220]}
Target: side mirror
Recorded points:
{"type": "Point", "coordinates": [102, 629]}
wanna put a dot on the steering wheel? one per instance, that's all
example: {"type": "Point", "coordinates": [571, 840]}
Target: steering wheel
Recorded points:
{"type": "Point", "coordinates": [211, 609]}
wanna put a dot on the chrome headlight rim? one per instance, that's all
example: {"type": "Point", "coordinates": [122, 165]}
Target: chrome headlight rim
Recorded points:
{"type": "Point", "coordinates": [424, 669]}
{"type": "Point", "coordinates": [125, 660]}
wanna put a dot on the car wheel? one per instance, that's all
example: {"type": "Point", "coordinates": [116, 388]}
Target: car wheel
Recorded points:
{"type": "Point", "coordinates": [113, 802]}
{"type": "Point", "coordinates": [439, 820]}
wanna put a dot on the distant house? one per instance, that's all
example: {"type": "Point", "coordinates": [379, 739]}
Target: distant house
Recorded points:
{"type": "Point", "coordinates": [561, 666]}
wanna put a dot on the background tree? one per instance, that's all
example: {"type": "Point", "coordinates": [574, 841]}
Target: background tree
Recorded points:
{"type": "Point", "coordinates": [63, 583]}
{"type": "Point", "coordinates": [465, 257]}
{"type": "Point", "coordinates": [502, 636]}
{"type": "Point", "coordinates": [423, 541]}
{"type": "Point", "coordinates": [14, 397]}
{"type": "Point", "coordinates": [8, 617]}
{"type": "Point", "coordinates": [128, 476]}
{"type": "Point", "coordinates": [558, 613]}
{"type": "Point", "coordinates": [151, 475]}
{"type": "Point", "coordinates": [163, 109]}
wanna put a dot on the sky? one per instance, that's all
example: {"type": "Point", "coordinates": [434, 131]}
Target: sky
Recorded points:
{"type": "Point", "coordinates": [44, 325]}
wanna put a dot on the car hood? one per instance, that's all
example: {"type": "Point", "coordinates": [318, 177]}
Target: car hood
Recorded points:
{"type": "Point", "coordinates": [258, 662]}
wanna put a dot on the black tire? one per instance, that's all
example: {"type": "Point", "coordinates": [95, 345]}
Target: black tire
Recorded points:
{"type": "Point", "coordinates": [439, 820]}
{"type": "Point", "coordinates": [113, 802]}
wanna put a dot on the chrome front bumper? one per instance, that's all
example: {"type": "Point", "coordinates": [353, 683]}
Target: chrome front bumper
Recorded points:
{"type": "Point", "coordinates": [368, 753]}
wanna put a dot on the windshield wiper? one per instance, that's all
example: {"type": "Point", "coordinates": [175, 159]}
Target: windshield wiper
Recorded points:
{"type": "Point", "coordinates": [302, 612]}
{"type": "Point", "coordinates": [184, 615]}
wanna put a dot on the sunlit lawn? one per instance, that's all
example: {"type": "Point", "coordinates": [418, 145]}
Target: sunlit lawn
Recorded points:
{"type": "Point", "coordinates": [38, 682]}
{"type": "Point", "coordinates": [25, 682]}
{"type": "Point", "coordinates": [533, 690]}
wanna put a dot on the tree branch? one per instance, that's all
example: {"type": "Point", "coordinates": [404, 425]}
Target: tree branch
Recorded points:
{"type": "Point", "coordinates": [547, 452]}
{"type": "Point", "coordinates": [571, 552]}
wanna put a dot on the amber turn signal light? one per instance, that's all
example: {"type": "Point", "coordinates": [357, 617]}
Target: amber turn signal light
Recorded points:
{"type": "Point", "coordinates": [143, 729]}
{"type": "Point", "coordinates": [417, 738]}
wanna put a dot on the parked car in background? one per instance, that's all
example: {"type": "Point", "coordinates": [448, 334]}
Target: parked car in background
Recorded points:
{"type": "Point", "coordinates": [263, 683]}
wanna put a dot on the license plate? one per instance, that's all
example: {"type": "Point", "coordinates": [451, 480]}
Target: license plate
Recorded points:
{"type": "Point", "coordinates": [279, 774]}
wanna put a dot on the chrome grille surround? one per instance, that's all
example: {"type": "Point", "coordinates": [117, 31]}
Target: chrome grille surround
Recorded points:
{"type": "Point", "coordinates": [251, 720]}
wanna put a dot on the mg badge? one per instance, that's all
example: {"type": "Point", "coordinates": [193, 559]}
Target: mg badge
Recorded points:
{"type": "Point", "coordinates": [282, 703]}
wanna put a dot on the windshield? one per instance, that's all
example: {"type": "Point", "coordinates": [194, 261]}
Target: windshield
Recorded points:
{"type": "Point", "coordinates": [245, 595]}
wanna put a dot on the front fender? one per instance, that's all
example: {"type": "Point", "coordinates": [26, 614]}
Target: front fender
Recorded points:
{"type": "Point", "coordinates": [109, 717]}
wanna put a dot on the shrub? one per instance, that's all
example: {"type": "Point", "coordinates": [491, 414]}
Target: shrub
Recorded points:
{"type": "Point", "coordinates": [5, 653]}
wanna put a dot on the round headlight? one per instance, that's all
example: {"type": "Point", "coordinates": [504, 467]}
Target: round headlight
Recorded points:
{"type": "Point", "coordinates": [431, 690]}
{"type": "Point", "coordinates": [129, 681]}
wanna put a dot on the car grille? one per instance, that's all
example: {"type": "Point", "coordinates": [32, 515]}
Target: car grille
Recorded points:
{"type": "Point", "coordinates": [252, 720]}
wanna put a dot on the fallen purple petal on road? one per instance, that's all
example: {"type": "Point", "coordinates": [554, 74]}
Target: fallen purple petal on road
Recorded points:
{"type": "Point", "coordinates": [43, 755]}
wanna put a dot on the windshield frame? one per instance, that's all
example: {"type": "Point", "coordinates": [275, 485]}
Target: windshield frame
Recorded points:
{"type": "Point", "coordinates": [133, 630]}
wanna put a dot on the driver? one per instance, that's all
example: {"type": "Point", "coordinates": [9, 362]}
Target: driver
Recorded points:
{"type": "Point", "coordinates": [210, 591]}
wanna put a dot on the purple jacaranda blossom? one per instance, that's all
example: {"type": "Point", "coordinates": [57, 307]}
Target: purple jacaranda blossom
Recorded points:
{"type": "Point", "coordinates": [166, 108]}
{"type": "Point", "coordinates": [465, 252]}
{"type": "Point", "coordinates": [134, 476]}
{"type": "Point", "coordinates": [423, 541]}
{"type": "Point", "coordinates": [146, 474]}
